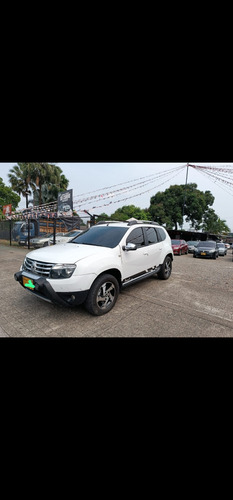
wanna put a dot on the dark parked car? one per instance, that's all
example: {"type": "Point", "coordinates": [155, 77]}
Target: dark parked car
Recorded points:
{"type": "Point", "coordinates": [179, 247]}
{"type": "Point", "coordinates": [206, 249]}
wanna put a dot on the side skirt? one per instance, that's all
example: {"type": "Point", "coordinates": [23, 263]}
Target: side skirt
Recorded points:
{"type": "Point", "coordinates": [140, 277]}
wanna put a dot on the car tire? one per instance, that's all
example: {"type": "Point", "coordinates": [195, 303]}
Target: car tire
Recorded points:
{"type": "Point", "coordinates": [103, 295]}
{"type": "Point", "coordinates": [166, 269]}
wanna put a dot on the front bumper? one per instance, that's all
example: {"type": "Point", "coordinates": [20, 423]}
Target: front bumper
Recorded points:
{"type": "Point", "coordinates": [205, 254]}
{"type": "Point", "coordinates": [45, 291]}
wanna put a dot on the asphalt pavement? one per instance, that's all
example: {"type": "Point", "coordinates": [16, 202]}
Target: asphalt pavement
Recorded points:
{"type": "Point", "coordinates": [196, 302]}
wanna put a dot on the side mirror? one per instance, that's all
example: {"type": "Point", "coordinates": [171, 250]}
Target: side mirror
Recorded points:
{"type": "Point", "coordinates": [129, 247]}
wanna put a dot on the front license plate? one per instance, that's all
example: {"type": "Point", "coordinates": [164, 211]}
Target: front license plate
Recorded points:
{"type": "Point", "coordinates": [203, 253]}
{"type": "Point", "coordinates": [28, 283]}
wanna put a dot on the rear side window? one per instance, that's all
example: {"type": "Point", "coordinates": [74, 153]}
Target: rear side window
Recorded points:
{"type": "Point", "coordinates": [151, 235]}
{"type": "Point", "coordinates": [161, 233]}
{"type": "Point", "coordinates": [136, 237]}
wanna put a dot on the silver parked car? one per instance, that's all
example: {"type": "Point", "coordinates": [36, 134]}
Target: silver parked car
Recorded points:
{"type": "Point", "coordinates": [44, 240]}
{"type": "Point", "coordinates": [192, 245]}
{"type": "Point", "coordinates": [65, 237]}
{"type": "Point", "coordinates": [222, 249]}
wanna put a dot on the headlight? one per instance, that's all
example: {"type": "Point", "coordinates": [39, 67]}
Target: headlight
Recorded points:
{"type": "Point", "coordinates": [62, 271]}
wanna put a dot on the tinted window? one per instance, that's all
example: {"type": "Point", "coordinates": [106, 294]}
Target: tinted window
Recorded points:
{"type": "Point", "coordinates": [151, 235]}
{"type": "Point", "coordinates": [136, 237]}
{"type": "Point", "coordinates": [162, 234]}
{"type": "Point", "coordinates": [210, 244]}
{"type": "Point", "coordinates": [101, 236]}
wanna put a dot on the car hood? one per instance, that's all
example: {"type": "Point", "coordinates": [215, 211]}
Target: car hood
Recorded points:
{"type": "Point", "coordinates": [203, 247]}
{"type": "Point", "coordinates": [66, 253]}
{"type": "Point", "coordinates": [33, 240]}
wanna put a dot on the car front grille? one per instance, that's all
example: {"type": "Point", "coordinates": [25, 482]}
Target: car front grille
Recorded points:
{"type": "Point", "coordinates": [37, 267]}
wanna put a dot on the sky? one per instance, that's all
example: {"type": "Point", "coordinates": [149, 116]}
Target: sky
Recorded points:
{"type": "Point", "coordinates": [134, 184]}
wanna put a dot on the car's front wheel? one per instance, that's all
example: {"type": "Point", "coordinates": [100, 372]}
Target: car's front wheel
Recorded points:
{"type": "Point", "coordinates": [102, 295]}
{"type": "Point", "coordinates": [166, 269]}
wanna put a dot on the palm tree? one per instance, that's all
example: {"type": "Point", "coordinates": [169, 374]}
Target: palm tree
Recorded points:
{"type": "Point", "coordinates": [21, 180]}
{"type": "Point", "coordinates": [45, 180]}
{"type": "Point", "coordinates": [48, 181]}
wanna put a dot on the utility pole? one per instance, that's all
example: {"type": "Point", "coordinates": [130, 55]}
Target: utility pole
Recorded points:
{"type": "Point", "coordinates": [186, 182]}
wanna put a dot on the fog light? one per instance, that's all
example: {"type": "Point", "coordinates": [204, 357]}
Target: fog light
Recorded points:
{"type": "Point", "coordinates": [71, 299]}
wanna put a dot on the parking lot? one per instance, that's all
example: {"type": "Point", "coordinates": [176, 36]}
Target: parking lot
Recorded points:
{"type": "Point", "coordinates": [197, 301]}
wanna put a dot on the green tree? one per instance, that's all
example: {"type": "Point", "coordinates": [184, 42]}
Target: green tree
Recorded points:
{"type": "Point", "coordinates": [166, 207]}
{"type": "Point", "coordinates": [129, 211]}
{"type": "Point", "coordinates": [103, 216]}
{"type": "Point", "coordinates": [197, 203]}
{"type": "Point", "coordinates": [179, 201]}
{"type": "Point", "coordinates": [44, 180]}
{"type": "Point", "coordinates": [213, 224]}
{"type": "Point", "coordinates": [48, 181]}
{"type": "Point", "coordinates": [7, 196]}
{"type": "Point", "coordinates": [21, 180]}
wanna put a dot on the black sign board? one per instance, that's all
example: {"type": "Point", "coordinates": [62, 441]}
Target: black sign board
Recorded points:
{"type": "Point", "coordinates": [65, 203]}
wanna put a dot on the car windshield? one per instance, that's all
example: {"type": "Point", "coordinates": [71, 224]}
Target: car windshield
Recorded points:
{"type": "Point", "coordinates": [72, 233]}
{"type": "Point", "coordinates": [221, 245]}
{"type": "Point", "coordinates": [101, 236]}
{"type": "Point", "coordinates": [45, 235]}
{"type": "Point", "coordinates": [176, 242]}
{"type": "Point", "coordinates": [192, 243]}
{"type": "Point", "coordinates": [207, 244]}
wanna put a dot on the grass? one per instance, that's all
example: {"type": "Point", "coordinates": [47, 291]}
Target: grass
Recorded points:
{"type": "Point", "coordinates": [13, 243]}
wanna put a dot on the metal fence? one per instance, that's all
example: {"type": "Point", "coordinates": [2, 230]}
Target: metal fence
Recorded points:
{"type": "Point", "coordinates": [20, 232]}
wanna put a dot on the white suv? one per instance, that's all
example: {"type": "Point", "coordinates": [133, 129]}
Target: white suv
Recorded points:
{"type": "Point", "coordinates": [97, 264]}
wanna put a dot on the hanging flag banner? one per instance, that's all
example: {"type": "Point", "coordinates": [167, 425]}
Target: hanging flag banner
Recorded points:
{"type": "Point", "coordinates": [7, 210]}
{"type": "Point", "coordinates": [65, 203]}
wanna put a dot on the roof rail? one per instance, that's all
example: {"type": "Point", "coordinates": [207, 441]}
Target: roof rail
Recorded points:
{"type": "Point", "coordinates": [108, 222]}
{"type": "Point", "coordinates": [130, 222]}
{"type": "Point", "coordinates": [151, 222]}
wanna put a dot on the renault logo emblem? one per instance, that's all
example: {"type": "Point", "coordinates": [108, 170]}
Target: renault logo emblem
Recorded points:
{"type": "Point", "coordinates": [33, 266]}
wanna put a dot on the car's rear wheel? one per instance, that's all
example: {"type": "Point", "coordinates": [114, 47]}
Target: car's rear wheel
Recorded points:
{"type": "Point", "coordinates": [166, 269]}
{"type": "Point", "coordinates": [102, 295]}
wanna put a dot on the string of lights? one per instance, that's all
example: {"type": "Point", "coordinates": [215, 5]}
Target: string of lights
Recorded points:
{"type": "Point", "coordinates": [152, 188]}
{"type": "Point", "coordinates": [51, 207]}
{"type": "Point", "coordinates": [111, 194]}
{"type": "Point", "coordinates": [219, 175]}
{"type": "Point", "coordinates": [164, 172]}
